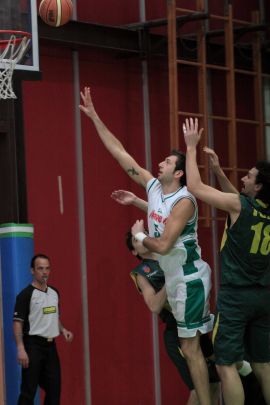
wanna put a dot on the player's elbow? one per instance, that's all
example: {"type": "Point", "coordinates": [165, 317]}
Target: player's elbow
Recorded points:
{"type": "Point", "coordinates": [154, 308]}
{"type": "Point", "coordinates": [153, 304]}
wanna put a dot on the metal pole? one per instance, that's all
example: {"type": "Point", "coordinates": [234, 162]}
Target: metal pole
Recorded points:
{"type": "Point", "coordinates": [81, 215]}
{"type": "Point", "coordinates": [148, 160]}
{"type": "Point", "coordinates": [82, 237]}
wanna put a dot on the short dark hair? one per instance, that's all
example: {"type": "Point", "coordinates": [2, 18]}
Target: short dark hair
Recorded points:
{"type": "Point", "coordinates": [263, 178]}
{"type": "Point", "coordinates": [180, 165]}
{"type": "Point", "coordinates": [38, 256]}
{"type": "Point", "coordinates": [129, 243]}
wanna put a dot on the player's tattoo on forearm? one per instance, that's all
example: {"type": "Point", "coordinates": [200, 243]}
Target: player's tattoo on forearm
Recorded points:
{"type": "Point", "coordinates": [132, 172]}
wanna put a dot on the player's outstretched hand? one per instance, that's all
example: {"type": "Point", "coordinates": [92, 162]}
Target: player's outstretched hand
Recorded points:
{"type": "Point", "coordinates": [213, 158]}
{"type": "Point", "coordinates": [87, 105]}
{"type": "Point", "coordinates": [191, 134]}
{"type": "Point", "coordinates": [123, 197]}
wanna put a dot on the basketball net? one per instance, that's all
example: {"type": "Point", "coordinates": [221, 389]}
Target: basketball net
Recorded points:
{"type": "Point", "coordinates": [11, 55]}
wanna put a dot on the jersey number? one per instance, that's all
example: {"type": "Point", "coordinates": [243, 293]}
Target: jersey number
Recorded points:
{"type": "Point", "coordinates": [156, 232]}
{"type": "Point", "coordinates": [261, 239]}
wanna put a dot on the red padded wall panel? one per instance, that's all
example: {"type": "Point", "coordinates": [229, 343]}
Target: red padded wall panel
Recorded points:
{"type": "Point", "coordinates": [121, 347]}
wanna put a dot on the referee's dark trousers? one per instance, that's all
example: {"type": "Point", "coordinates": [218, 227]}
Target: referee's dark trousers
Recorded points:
{"type": "Point", "coordinates": [43, 371]}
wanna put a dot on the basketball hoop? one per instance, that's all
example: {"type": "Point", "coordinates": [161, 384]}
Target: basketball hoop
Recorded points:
{"type": "Point", "coordinates": [13, 47]}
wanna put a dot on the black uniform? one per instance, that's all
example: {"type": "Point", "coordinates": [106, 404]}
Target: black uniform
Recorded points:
{"type": "Point", "coordinates": [242, 323]}
{"type": "Point", "coordinates": [39, 312]}
{"type": "Point", "coordinates": [151, 270]}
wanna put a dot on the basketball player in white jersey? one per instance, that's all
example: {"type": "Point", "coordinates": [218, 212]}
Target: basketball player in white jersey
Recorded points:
{"type": "Point", "coordinates": [172, 223]}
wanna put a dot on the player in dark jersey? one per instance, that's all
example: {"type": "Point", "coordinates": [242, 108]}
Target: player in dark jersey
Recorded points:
{"type": "Point", "coordinates": [252, 389]}
{"type": "Point", "coordinates": [242, 322]}
{"type": "Point", "coordinates": [150, 282]}
{"type": "Point", "coordinates": [36, 324]}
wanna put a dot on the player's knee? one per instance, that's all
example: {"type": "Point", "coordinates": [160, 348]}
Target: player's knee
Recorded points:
{"type": "Point", "coordinates": [190, 350]}
{"type": "Point", "coordinates": [226, 371]}
{"type": "Point", "coordinates": [261, 369]}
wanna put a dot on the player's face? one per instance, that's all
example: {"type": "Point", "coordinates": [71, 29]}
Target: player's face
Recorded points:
{"type": "Point", "coordinates": [138, 247]}
{"type": "Point", "coordinates": [41, 270]}
{"type": "Point", "coordinates": [250, 188]}
{"type": "Point", "coordinates": [167, 169]}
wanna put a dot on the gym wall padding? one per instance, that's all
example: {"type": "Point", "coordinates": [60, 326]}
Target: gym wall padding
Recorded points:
{"type": "Point", "coordinates": [16, 248]}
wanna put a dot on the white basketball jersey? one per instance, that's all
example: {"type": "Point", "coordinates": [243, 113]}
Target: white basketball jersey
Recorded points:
{"type": "Point", "coordinates": [186, 248]}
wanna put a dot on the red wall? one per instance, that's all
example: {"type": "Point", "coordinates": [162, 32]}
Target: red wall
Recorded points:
{"type": "Point", "coordinates": [119, 325]}
{"type": "Point", "coordinates": [50, 152]}
{"type": "Point", "coordinates": [118, 318]}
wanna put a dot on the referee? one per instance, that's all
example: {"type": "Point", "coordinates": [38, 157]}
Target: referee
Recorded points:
{"type": "Point", "coordinates": [36, 324]}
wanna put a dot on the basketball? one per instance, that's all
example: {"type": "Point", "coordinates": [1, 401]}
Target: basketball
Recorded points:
{"type": "Point", "coordinates": [55, 12]}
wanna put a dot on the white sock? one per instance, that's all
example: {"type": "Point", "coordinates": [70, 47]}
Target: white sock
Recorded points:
{"type": "Point", "coordinates": [245, 369]}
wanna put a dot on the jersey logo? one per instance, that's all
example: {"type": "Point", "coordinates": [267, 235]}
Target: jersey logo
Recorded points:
{"type": "Point", "coordinates": [157, 217]}
{"type": "Point", "coordinates": [146, 269]}
{"type": "Point", "coordinates": [49, 310]}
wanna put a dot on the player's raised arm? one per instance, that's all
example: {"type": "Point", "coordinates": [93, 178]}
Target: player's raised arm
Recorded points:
{"type": "Point", "coordinates": [223, 180]}
{"type": "Point", "coordinates": [112, 144]}
{"type": "Point", "coordinates": [225, 201]}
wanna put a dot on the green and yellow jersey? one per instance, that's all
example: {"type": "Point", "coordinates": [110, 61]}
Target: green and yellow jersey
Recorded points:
{"type": "Point", "coordinates": [245, 246]}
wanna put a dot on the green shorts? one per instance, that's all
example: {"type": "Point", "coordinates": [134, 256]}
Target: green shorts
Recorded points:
{"type": "Point", "coordinates": [242, 325]}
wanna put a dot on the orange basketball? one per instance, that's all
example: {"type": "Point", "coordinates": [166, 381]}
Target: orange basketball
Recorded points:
{"type": "Point", "coordinates": [55, 12]}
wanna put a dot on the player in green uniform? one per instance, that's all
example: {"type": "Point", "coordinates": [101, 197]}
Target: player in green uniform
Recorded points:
{"type": "Point", "coordinates": [242, 322]}
{"type": "Point", "coordinates": [252, 389]}
{"type": "Point", "coordinates": [150, 282]}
